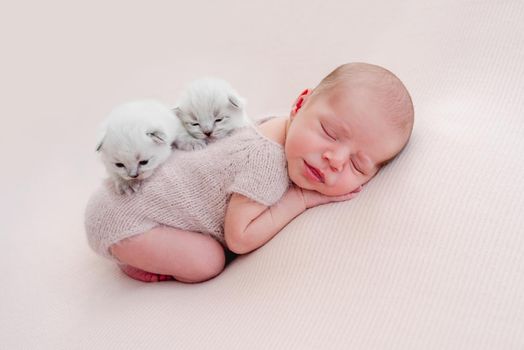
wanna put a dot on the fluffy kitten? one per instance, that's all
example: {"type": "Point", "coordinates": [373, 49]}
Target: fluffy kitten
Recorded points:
{"type": "Point", "coordinates": [209, 109]}
{"type": "Point", "coordinates": [135, 139]}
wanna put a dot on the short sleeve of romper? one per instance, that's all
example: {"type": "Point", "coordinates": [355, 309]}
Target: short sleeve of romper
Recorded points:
{"type": "Point", "coordinates": [263, 175]}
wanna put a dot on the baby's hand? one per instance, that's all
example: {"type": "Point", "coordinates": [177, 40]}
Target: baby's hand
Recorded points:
{"type": "Point", "coordinates": [314, 198]}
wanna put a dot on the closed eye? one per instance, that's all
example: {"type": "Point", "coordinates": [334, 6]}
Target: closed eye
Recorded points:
{"type": "Point", "coordinates": [327, 133]}
{"type": "Point", "coordinates": [120, 165]}
{"type": "Point", "coordinates": [143, 162]}
{"type": "Point", "coordinates": [357, 168]}
{"type": "Point", "coordinates": [195, 124]}
{"type": "Point", "coordinates": [221, 118]}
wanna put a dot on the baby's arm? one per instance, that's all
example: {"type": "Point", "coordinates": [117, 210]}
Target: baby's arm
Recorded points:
{"type": "Point", "coordinates": [249, 225]}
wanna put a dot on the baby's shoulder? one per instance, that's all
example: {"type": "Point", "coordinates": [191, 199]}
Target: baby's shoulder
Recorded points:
{"type": "Point", "coordinates": [274, 129]}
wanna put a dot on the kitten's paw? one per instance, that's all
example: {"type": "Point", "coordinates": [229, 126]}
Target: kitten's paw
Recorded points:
{"type": "Point", "coordinates": [126, 187]}
{"type": "Point", "coordinates": [134, 185]}
{"type": "Point", "coordinates": [119, 187]}
{"type": "Point", "coordinates": [191, 145]}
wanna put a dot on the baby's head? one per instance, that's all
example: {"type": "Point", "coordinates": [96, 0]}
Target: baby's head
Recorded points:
{"type": "Point", "coordinates": [340, 134]}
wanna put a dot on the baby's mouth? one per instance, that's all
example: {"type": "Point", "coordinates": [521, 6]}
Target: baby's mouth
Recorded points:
{"type": "Point", "coordinates": [316, 173]}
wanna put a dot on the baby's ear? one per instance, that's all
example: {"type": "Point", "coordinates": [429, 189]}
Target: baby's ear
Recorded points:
{"type": "Point", "coordinates": [236, 101]}
{"type": "Point", "coordinates": [299, 101]}
{"type": "Point", "coordinates": [157, 136]}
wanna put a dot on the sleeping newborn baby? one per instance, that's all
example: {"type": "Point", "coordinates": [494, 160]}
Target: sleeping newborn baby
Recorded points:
{"type": "Point", "coordinates": [240, 191]}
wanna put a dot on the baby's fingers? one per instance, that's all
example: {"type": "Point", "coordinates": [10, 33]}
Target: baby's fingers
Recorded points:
{"type": "Point", "coordinates": [356, 190]}
{"type": "Point", "coordinates": [349, 195]}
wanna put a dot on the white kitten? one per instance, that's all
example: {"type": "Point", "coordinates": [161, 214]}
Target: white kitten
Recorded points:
{"type": "Point", "coordinates": [209, 109]}
{"type": "Point", "coordinates": [135, 139]}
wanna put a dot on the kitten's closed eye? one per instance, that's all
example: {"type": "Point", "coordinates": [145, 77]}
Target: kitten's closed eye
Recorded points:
{"type": "Point", "coordinates": [120, 165]}
{"type": "Point", "coordinates": [143, 162]}
{"type": "Point", "coordinates": [209, 109]}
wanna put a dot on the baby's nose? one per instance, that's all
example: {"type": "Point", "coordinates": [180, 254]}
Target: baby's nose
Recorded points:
{"type": "Point", "coordinates": [337, 166]}
{"type": "Point", "coordinates": [337, 159]}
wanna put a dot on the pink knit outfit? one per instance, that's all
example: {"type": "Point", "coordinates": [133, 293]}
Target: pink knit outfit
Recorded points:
{"type": "Point", "coordinates": [191, 190]}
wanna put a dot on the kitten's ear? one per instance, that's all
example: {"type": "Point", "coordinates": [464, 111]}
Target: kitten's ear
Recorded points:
{"type": "Point", "coordinates": [157, 136]}
{"type": "Point", "coordinates": [100, 141]}
{"type": "Point", "coordinates": [236, 101]}
{"type": "Point", "coordinates": [99, 146]}
{"type": "Point", "coordinates": [178, 112]}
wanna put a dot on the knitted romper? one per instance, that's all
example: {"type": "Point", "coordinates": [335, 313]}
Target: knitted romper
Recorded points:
{"type": "Point", "coordinates": [191, 190]}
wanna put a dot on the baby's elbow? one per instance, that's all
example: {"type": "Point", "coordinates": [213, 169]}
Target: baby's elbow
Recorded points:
{"type": "Point", "coordinates": [236, 243]}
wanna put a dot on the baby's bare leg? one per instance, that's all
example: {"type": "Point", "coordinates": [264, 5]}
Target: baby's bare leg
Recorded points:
{"type": "Point", "coordinates": [187, 256]}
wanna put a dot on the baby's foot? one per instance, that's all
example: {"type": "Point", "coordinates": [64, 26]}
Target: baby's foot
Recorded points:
{"type": "Point", "coordinates": [144, 276]}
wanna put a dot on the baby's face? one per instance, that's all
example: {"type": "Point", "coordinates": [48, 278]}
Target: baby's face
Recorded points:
{"type": "Point", "coordinates": [337, 140]}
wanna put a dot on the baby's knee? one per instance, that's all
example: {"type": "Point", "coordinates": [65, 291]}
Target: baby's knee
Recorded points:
{"type": "Point", "coordinates": [206, 266]}
{"type": "Point", "coordinates": [187, 260]}
{"type": "Point", "coordinates": [125, 250]}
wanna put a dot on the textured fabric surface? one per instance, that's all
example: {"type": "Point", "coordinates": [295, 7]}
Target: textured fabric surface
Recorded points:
{"type": "Point", "coordinates": [190, 191]}
{"type": "Point", "coordinates": [429, 256]}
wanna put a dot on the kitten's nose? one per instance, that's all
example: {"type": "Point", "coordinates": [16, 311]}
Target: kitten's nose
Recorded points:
{"type": "Point", "coordinates": [208, 134]}
{"type": "Point", "coordinates": [134, 176]}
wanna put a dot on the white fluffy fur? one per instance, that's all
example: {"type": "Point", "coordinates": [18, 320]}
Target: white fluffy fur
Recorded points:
{"type": "Point", "coordinates": [135, 132]}
{"type": "Point", "coordinates": [209, 109]}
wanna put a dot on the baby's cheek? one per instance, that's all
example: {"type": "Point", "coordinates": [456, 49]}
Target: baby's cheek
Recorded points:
{"type": "Point", "coordinates": [292, 172]}
{"type": "Point", "coordinates": [348, 183]}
